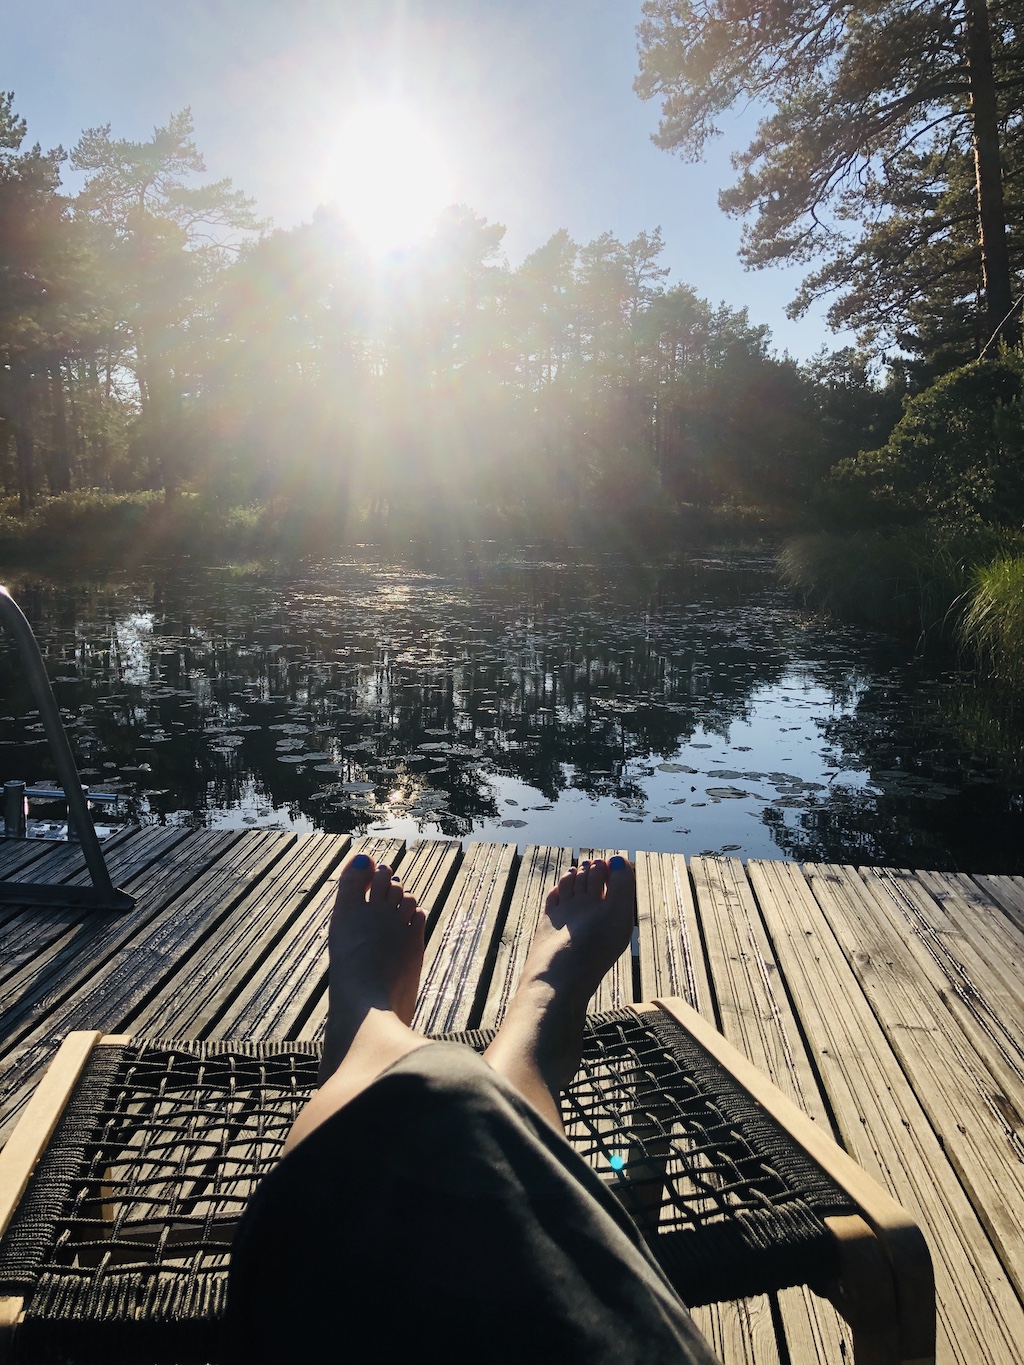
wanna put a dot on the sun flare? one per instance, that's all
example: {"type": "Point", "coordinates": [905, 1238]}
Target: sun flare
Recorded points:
{"type": "Point", "coordinates": [392, 178]}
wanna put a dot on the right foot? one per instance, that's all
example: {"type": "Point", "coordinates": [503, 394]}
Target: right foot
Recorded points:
{"type": "Point", "coordinates": [585, 925]}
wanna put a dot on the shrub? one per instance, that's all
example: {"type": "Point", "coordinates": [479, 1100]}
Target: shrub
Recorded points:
{"type": "Point", "coordinates": [957, 453]}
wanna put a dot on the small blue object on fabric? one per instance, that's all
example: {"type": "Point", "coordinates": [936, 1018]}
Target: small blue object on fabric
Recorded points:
{"type": "Point", "coordinates": [616, 1162]}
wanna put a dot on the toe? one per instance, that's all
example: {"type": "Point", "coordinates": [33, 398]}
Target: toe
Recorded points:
{"type": "Point", "coordinates": [409, 910]}
{"type": "Point", "coordinates": [621, 881]}
{"type": "Point", "coordinates": [355, 878]}
{"type": "Point", "coordinates": [380, 887]}
{"type": "Point", "coordinates": [597, 879]}
{"type": "Point", "coordinates": [567, 885]}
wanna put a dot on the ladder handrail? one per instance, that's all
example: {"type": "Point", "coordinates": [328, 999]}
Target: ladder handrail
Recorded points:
{"type": "Point", "coordinates": [105, 895]}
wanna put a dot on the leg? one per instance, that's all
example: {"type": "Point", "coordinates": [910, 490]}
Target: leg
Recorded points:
{"type": "Point", "coordinates": [376, 953]}
{"type": "Point", "coordinates": [431, 1206]}
{"type": "Point", "coordinates": [586, 923]}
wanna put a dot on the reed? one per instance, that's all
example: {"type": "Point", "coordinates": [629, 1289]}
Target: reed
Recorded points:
{"type": "Point", "coordinates": [917, 582]}
{"type": "Point", "coordinates": [992, 625]}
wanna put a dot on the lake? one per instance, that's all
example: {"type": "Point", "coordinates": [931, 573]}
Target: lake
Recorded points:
{"type": "Point", "coordinates": [690, 707]}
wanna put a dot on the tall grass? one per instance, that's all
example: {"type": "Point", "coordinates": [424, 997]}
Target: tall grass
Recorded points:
{"type": "Point", "coordinates": [992, 626]}
{"type": "Point", "coordinates": [961, 585]}
{"type": "Point", "coordinates": [911, 582]}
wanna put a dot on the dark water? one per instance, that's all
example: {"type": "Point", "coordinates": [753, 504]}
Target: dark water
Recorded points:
{"type": "Point", "coordinates": [688, 708]}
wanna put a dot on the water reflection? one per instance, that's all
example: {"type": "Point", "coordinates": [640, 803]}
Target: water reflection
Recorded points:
{"type": "Point", "coordinates": [687, 707]}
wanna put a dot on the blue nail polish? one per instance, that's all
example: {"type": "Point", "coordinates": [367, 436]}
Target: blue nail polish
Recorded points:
{"type": "Point", "coordinates": [616, 863]}
{"type": "Point", "coordinates": [362, 861]}
{"type": "Point", "coordinates": [585, 862]}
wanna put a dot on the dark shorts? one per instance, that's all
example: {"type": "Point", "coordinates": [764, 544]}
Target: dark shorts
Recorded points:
{"type": "Point", "coordinates": [438, 1217]}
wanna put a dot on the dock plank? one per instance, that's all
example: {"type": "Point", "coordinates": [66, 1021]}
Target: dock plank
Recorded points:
{"type": "Point", "coordinates": [976, 958]}
{"type": "Point", "coordinates": [87, 941]}
{"type": "Point", "coordinates": [464, 940]}
{"type": "Point", "coordinates": [428, 870]}
{"type": "Point", "coordinates": [672, 963]}
{"type": "Point", "coordinates": [62, 860]}
{"type": "Point", "coordinates": [133, 972]}
{"type": "Point", "coordinates": [671, 953]}
{"type": "Point", "coordinates": [888, 1004]}
{"type": "Point", "coordinates": [540, 870]}
{"type": "Point", "coordinates": [616, 989]}
{"type": "Point", "coordinates": [1007, 892]}
{"type": "Point", "coordinates": [220, 968]}
{"type": "Point", "coordinates": [980, 948]}
{"type": "Point", "coordinates": [277, 1001]}
{"type": "Point", "coordinates": [751, 999]}
{"type": "Point", "coordinates": [880, 1118]}
{"type": "Point", "coordinates": [977, 1120]}
{"type": "Point", "coordinates": [32, 934]}
{"type": "Point", "coordinates": [756, 1016]}
{"type": "Point", "coordinates": [18, 853]}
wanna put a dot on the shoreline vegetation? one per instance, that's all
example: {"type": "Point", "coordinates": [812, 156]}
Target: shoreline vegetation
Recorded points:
{"type": "Point", "coordinates": [926, 538]}
{"type": "Point", "coordinates": [254, 393]}
{"type": "Point", "coordinates": [92, 529]}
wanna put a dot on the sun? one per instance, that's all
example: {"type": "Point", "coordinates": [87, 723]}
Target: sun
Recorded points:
{"type": "Point", "coordinates": [391, 176]}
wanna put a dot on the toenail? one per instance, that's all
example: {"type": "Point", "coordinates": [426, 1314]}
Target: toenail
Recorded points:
{"type": "Point", "coordinates": [361, 861]}
{"type": "Point", "coordinates": [616, 863]}
{"type": "Point", "coordinates": [585, 862]}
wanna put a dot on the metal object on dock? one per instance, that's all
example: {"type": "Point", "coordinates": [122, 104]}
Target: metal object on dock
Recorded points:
{"type": "Point", "coordinates": [15, 813]}
{"type": "Point", "coordinates": [102, 895]}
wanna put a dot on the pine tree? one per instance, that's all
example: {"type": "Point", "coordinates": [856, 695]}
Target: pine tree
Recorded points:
{"type": "Point", "coordinates": [872, 113]}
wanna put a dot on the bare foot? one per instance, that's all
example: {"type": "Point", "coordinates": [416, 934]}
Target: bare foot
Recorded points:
{"type": "Point", "coordinates": [586, 923]}
{"type": "Point", "coordinates": [376, 953]}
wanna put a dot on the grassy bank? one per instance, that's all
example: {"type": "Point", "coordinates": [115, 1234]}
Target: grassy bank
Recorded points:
{"type": "Point", "coordinates": [957, 587]}
{"type": "Point", "coordinates": [90, 528]}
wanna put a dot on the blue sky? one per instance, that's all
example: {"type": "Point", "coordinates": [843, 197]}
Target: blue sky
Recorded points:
{"type": "Point", "coordinates": [531, 99]}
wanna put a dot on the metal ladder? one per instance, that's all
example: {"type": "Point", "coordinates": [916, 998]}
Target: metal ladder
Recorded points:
{"type": "Point", "coordinates": [102, 895]}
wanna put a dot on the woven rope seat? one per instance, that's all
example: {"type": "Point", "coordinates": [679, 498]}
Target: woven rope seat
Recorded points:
{"type": "Point", "coordinates": [117, 1245]}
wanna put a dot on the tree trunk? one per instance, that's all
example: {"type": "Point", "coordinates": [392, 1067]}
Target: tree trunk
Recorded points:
{"type": "Point", "coordinates": [995, 252]}
{"type": "Point", "coordinates": [24, 444]}
{"type": "Point", "coordinates": [60, 461]}
{"type": "Point", "coordinates": [24, 438]}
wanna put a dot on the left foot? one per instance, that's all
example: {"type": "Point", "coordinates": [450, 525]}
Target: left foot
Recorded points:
{"type": "Point", "coordinates": [375, 951]}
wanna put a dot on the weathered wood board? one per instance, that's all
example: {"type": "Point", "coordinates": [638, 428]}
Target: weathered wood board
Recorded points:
{"type": "Point", "coordinates": [888, 1004]}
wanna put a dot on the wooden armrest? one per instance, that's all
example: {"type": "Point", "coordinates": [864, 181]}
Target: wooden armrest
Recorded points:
{"type": "Point", "coordinates": [882, 1222]}
{"type": "Point", "coordinates": [35, 1127]}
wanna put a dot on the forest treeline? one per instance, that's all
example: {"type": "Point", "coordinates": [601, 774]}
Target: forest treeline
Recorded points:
{"type": "Point", "coordinates": [888, 161]}
{"type": "Point", "coordinates": [155, 335]}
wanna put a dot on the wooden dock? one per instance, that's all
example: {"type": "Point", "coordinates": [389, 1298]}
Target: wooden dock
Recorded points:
{"type": "Point", "coordinates": [889, 1005]}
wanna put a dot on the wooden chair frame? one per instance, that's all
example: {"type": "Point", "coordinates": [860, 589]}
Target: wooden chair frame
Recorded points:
{"type": "Point", "coordinates": [885, 1290]}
